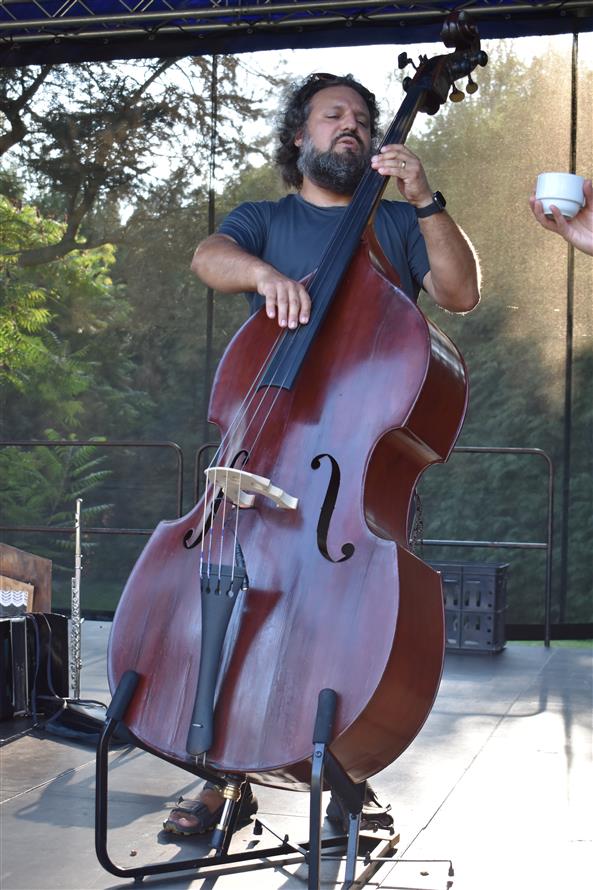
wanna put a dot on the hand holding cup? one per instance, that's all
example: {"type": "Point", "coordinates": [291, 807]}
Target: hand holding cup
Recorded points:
{"type": "Point", "coordinates": [561, 190]}
{"type": "Point", "coordinates": [563, 203]}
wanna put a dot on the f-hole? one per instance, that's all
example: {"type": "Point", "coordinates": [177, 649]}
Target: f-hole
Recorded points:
{"type": "Point", "coordinates": [327, 510]}
{"type": "Point", "coordinates": [189, 541]}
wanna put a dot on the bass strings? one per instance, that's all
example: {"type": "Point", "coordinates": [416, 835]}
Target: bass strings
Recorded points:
{"type": "Point", "coordinates": [366, 194]}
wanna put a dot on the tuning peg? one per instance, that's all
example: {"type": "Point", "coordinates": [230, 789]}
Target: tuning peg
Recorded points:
{"type": "Point", "coordinates": [456, 95]}
{"type": "Point", "coordinates": [472, 86]}
{"type": "Point", "coordinates": [402, 60]}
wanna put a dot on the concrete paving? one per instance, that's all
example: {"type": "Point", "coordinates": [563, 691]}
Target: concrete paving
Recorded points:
{"type": "Point", "coordinates": [499, 783]}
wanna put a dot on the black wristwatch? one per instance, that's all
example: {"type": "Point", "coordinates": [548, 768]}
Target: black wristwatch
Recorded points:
{"type": "Point", "coordinates": [437, 206]}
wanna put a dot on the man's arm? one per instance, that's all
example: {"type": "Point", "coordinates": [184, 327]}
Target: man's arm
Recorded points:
{"type": "Point", "coordinates": [454, 278]}
{"type": "Point", "coordinates": [223, 265]}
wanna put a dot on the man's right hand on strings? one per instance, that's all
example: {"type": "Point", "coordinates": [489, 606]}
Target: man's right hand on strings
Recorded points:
{"type": "Point", "coordinates": [223, 265]}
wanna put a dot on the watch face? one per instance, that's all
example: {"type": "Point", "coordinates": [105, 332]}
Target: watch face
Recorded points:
{"type": "Point", "coordinates": [439, 199]}
{"type": "Point", "coordinates": [436, 206]}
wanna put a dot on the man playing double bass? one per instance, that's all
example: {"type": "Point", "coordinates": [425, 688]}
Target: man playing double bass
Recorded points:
{"type": "Point", "coordinates": [326, 135]}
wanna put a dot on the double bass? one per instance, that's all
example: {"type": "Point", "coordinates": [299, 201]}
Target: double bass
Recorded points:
{"type": "Point", "coordinates": [293, 573]}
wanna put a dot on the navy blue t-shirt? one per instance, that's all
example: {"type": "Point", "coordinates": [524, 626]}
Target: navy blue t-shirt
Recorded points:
{"type": "Point", "coordinates": [291, 235]}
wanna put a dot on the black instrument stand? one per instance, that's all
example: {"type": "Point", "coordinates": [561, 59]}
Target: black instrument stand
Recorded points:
{"type": "Point", "coordinates": [325, 771]}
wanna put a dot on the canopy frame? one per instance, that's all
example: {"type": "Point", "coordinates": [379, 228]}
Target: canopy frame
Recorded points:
{"type": "Point", "coordinates": [55, 31]}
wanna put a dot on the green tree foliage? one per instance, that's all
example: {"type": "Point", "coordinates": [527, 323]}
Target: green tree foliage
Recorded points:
{"type": "Point", "coordinates": [121, 155]}
{"type": "Point", "coordinates": [23, 313]}
{"type": "Point", "coordinates": [44, 483]}
{"type": "Point", "coordinates": [169, 305]}
{"type": "Point", "coordinates": [60, 325]}
{"type": "Point", "coordinates": [91, 139]}
{"type": "Point", "coordinates": [485, 154]}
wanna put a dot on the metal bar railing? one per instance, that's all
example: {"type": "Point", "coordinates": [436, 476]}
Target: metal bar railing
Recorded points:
{"type": "Point", "coordinates": [123, 443]}
{"type": "Point", "coordinates": [519, 545]}
{"type": "Point", "coordinates": [199, 466]}
{"type": "Point", "coordinates": [198, 462]}
{"type": "Point", "coordinates": [522, 545]}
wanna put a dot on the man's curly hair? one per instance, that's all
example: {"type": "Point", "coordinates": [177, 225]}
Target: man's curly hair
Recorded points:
{"type": "Point", "coordinates": [296, 113]}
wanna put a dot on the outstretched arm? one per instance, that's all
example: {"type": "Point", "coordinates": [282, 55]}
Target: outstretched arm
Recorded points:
{"type": "Point", "coordinates": [577, 231]}
{"type": "Point", "coordinates": [223, 265]}
{"type": "Point", "coordinates": [454, 277]}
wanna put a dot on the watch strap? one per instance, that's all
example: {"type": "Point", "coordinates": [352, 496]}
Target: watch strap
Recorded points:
{"type": "Point", "coordinates": [436, 206]}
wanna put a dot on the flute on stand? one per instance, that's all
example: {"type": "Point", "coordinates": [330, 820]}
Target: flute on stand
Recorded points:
{"type": "Point", "coordinates": [75, 620]}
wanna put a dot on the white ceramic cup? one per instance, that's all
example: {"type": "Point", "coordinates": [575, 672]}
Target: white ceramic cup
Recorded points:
{"type": "Point", "coordinates": [563, 190]}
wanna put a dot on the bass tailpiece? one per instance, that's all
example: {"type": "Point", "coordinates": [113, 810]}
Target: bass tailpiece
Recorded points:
{"type": "Point", "coordinates": [220, 588]}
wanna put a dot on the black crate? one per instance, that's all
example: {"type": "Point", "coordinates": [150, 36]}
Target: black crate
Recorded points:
{"type": "Point", "coordinates": [452, 582]}
{"type": "Point", "coordinates": [452, 629]}
{"type": "Point", "coordinates": [482, 631]}
{"type": "Point", "coordinates": [485, 588]}
{"type": "Point", "coordinates": [475, 605]}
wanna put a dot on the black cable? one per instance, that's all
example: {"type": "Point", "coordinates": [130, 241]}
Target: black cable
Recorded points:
{"type": "Point", "coordinates": [31, 618]}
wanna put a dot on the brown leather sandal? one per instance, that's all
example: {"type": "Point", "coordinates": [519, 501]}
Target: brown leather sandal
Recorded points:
{"type": "Point", "coordinates": [205, 819]}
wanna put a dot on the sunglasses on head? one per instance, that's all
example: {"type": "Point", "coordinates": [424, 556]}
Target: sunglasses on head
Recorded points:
{"type": "Point", "coordinates": [319, 77]}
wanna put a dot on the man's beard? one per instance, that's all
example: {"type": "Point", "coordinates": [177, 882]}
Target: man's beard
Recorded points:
{"type": "Point", "coordinates": [339, 171]}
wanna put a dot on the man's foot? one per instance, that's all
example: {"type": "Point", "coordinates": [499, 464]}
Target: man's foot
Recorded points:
{"type": "Point", "coordinates": [200, 816]}
{"type": "Point", "coordinates": [374, 816]}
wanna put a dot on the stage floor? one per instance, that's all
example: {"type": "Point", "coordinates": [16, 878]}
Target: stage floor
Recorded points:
{"type": "Point", "coordinates": [499, 782]}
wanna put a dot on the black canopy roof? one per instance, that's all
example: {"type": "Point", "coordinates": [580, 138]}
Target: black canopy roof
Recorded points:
{"type": "Point", "coordinates": [54, 31]}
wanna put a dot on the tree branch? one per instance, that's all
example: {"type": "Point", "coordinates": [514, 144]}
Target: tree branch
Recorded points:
{"type": "Point", "coordinates": [37, 256]}
{"type": "Point", "coordinates": [12, 109]}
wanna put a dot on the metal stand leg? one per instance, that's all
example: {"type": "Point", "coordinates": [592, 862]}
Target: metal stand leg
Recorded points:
{"type": "Point", "coordinates": [325, 768]}
{"type": "Point", "coordinates": [115, 712]}
{"type": "Point", "coordinates": [325, 771]}
{"type": "Point", "coordinates": [203, 865]}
